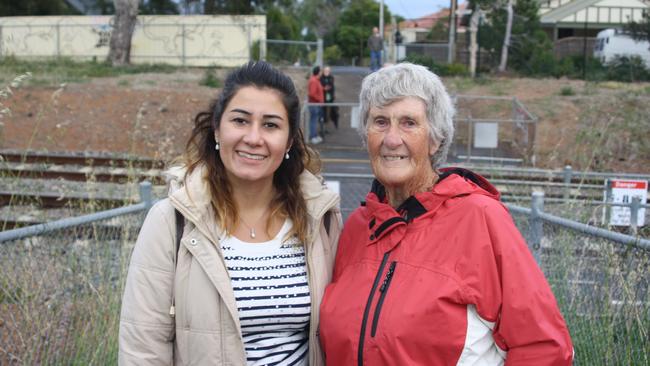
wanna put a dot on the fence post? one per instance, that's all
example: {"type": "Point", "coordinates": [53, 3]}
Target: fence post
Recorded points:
{"type": "Point", "coordinates": [2, 43]}
{"type": "Point", "coordinates": [250, 41]}
{"type": "Point", "coordinates": [536, 226]}
{"type": "Point", "coordinates": [319, 52]}
{"type": "Point", "coordinates": [58, 40]}
{"type": "Point", "coordinates": [634, 214]}
{"type": "Point", "coordinates": [567, 174]}
{"type": "Point", "coordinates": [145, 193]}
{"type": "Point", "coordinates": [263, 49]}
{"type": "Point", "coordinates": [470, 136]}
{"type": "Point", "coordinates": [183, 54]}
{"type": "Point", "coordinates": [305, 120]}
{"type": "Point", "coordinates": [607, 209]}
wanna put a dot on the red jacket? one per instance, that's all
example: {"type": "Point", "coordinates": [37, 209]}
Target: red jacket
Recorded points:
{"type": "Point", "coordinates": [447, 280]}
{"type": "Point", "coordinates": [315, 90]}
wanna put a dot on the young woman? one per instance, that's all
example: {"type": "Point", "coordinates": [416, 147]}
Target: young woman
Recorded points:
{"type": "Point", "coordinates": [257, 246]}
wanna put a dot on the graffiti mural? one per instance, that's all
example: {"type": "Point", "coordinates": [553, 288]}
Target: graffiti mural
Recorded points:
{"type": "Point", "coordinates": [180, 40]}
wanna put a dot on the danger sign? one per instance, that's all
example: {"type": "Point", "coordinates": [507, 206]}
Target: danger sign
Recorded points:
{"type": "Point", "coordinates": [623, 191]}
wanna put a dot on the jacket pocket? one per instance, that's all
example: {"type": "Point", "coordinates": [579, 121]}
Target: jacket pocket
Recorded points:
{"type": "Point", "coordinates": [383, 290]}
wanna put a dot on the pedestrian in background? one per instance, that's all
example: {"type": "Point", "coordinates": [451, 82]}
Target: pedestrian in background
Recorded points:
{"type": "Point", "coordinates": [315, 94]}
{"type": "Point", "coordinates": [432, 270]}
{"type": "Point", "coordinates": [375, 45]}
{"type": "Point", "coordinates": [331, 113]}
{"type": "Point", "coordinates": [230, 269]}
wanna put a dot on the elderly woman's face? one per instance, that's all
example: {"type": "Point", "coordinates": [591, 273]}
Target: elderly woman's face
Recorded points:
{"type": "Point", "coordinates": [399, 144]}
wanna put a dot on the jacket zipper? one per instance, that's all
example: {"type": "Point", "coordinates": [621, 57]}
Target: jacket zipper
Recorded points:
{"type": "Point", "coordinates": [366, 311]}
{"type": "Point", "coordinates": [384, 290]}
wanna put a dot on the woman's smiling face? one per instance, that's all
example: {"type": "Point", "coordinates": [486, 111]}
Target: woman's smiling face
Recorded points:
{"type": "Point", "coordinates": [253, 135]}
{"type": "Point", "coordinates": [399, 144]}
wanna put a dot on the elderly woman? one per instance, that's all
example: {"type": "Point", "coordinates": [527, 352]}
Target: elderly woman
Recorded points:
{"type": "Point", "coordinates": [432, 270]}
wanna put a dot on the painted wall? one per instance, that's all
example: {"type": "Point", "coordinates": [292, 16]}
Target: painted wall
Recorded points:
{"type": "Point", "coordinates": [196, 40]}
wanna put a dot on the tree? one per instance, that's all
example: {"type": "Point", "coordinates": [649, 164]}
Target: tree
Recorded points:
{"type": "Point", "coordinates": [126, 12]}
{"type": "Point", "coordinates": [440, 30]}
{"type": "Point", "coordinates": [527, 42]}
{"type": "Point", "coordinates": [640, 31]}
{"type": "Point", "coordinates": [355, 26]}
{"type": "Point", "coordinates": [158, 7]}
{"type": "Point", "coordinates": [506, 38]}
{"type": "Point", "coordinates": [473, 44]}
{"type": "Point", "coordinates": [35, 7]}
{"type": "Point", "coordinates": [320, 16]}
{"type": "Point", "coordinates": [239, 7]}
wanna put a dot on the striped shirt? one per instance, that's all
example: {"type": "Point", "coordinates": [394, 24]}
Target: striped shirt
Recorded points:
{"type": "Point", "coordinates": [269, 280]}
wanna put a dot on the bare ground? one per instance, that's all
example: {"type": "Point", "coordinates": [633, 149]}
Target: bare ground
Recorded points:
{"type": "Point", "coordinates": [151, 115]}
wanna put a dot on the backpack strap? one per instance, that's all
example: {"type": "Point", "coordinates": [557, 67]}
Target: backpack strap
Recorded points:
{"type": "Point", "coordinates": [326, 220]}
{"type": "Point", "coordinates": [180, 223]}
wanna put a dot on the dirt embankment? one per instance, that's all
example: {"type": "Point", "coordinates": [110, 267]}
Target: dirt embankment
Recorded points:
{"type": "Point", "coordinates": [590, 126]}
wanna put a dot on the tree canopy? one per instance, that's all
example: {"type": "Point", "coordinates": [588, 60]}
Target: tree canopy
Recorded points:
{"type": "Point", "coordinates": [529, 43]}
{"type": "Point", "coordinates": [640, 31]}
{"type": "Point", "coordinates": [35, 7]}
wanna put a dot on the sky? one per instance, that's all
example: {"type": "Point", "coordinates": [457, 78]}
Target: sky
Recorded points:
{"type": "Point", "coordinates": [412, 9]}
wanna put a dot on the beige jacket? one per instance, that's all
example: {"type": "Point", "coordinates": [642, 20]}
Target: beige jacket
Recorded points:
{"type": "Point", "coordinates": [206, 326]}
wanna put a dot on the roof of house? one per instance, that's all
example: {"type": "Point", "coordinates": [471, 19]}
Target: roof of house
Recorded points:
{"type": "Point", "coordinates": [429, 20]}
{"type": "Point", "coordinates": [605, 12]}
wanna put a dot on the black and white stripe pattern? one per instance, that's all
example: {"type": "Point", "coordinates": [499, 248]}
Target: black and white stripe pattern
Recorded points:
{"type": "Point", "coordinates": [270, 284]}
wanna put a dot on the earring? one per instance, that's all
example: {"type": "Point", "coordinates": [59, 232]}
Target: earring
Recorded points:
{"type": "Point", "coordinates": [286, 156]}
{"type": "Point", "coordinates": [216, 145]}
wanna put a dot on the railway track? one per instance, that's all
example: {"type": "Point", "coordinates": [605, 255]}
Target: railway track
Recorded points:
{"type": "Point", "coordinates": [36, 182]}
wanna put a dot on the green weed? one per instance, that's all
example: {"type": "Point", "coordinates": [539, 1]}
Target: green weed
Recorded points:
{"type": "Point", "coordinates": [567, 91]}
{"type": "Point", "coordinates": [65, 70]}
{"type": "Point", "coordinates": [210, 79]}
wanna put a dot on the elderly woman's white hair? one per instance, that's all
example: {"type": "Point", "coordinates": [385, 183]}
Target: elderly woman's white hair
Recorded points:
{"type": "Point", "coordinates": [395, 82]}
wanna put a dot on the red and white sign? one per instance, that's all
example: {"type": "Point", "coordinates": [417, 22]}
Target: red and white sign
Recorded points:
{"type": "Point", "coordinates": [622, 192]}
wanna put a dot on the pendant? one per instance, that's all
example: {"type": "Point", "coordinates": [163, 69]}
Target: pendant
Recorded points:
{"type": "Point", "coordinates": [253, 233]}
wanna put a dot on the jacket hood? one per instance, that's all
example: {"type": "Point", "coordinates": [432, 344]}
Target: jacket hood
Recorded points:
{"type": "Point", "coordinates": [191, 196]}
{"type": "Point", "coordinates": [452, 183]}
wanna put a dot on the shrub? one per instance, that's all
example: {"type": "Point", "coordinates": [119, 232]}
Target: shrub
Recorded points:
{"type": "Point", "coordinates": [210, 78]}
{"type": "Point", "coordinates": [567, 91]}
{"type": "Point", "coordinates": [623, 68]}
{"type": "Point", "coordinates": [332, 54]}
{"type": "Point", "coordinates": [454, 69]}
{"type": "Point", "coordinates": [542, 63]}
{"type": "Point", "coordinates": [565, 67]}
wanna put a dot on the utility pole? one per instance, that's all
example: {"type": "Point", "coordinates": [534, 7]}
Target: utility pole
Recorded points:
{"type": "Point", "coordinates": [452, 33]}
{"type": "Point", "coordinates": [381, 30]}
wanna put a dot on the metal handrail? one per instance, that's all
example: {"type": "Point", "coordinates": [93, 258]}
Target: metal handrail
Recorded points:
{"type": "Point", "coordinates": [146, 201]}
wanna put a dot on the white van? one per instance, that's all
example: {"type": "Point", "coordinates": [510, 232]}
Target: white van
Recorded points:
{"type": "Point", "coordinates": [613, 42]}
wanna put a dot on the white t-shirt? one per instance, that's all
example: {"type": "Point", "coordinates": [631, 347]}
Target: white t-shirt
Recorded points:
{"type": "Point", "coordinates": [270, 284]}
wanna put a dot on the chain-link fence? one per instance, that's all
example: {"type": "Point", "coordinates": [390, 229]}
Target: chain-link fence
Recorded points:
{"type": "Point", "coordinates": [289, 53]}
{"type": "Point", "coordinates": [602, 289]}
{"type": "Point", "coordinates": [60, 287]}
{"type": "Point", "coordinates": [60, 293]}
{"type": "Point", "coordinates": [493, 129]}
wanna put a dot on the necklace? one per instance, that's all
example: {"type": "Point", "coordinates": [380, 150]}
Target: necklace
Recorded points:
{"type": "Point", "coordinates": [251, 228]}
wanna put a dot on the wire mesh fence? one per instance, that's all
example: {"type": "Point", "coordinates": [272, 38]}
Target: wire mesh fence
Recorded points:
{"type": "Point", "coordinates": [282, 52]}
{"type": "Point", "coordinates": [602, 289]}
{"type": "Point", "coordinates": [60, 290]}
{"type": "Point", "coordinates": [60, 293]}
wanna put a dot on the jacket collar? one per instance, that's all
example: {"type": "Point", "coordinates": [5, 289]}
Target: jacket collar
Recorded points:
{"type": "Point", "coordinates": [191, 196]}
{"type": "Point", "coordinates": [452, 183]}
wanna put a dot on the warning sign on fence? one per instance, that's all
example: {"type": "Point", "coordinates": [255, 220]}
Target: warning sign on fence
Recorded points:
{"type": "Point", "coordinates": [622, 191]}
